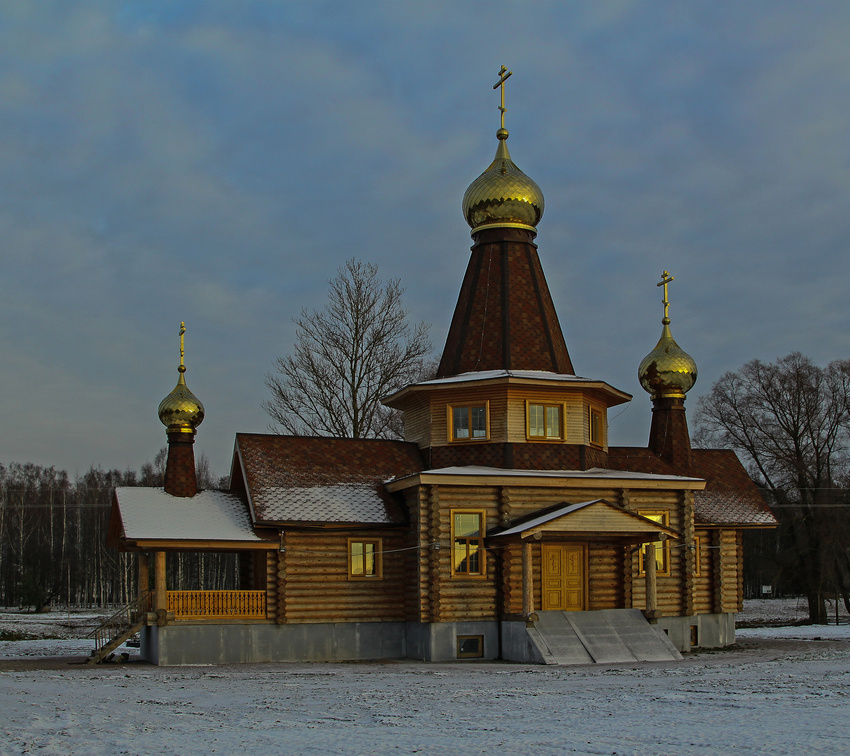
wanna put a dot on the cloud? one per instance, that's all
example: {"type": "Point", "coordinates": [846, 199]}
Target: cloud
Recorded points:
{"type": "Point", "coordinates": [216, 163]}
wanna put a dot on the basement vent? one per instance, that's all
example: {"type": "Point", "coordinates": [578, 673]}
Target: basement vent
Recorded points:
{"type": "Point", "coordinates": [470, 646]}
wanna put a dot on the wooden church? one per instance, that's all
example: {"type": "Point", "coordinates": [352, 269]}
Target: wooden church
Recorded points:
{"type": "Point", "coordinates": [504, 526]}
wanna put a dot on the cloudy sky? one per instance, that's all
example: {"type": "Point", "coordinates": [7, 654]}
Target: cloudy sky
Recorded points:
{"type": "Point", "coordinates": [216, 162]}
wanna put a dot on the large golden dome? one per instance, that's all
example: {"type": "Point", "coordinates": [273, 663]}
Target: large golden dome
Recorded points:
{"type": "Point", "coordinates": [181, 411]}
{"type": "Point", "coordinates": [668, 370]}
{"type": "Point", "coordinates": [503, 196]}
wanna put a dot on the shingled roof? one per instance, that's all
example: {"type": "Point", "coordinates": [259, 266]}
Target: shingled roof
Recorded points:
{"type": "Point", "coordinates": [296, 479]}
{"type": "Point", "coordinates": [730, 496]}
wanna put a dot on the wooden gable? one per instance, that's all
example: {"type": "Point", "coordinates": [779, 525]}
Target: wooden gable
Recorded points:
{"type": "Point", "coordinates": [597, 517]}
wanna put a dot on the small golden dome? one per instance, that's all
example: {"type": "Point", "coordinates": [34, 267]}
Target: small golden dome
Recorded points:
{"type": "Point", "coordinates": [668, 370]}
{"type": "Point", "coordinates": [181, 410]}
{"type": "Point", "coordinates": [503, 196]}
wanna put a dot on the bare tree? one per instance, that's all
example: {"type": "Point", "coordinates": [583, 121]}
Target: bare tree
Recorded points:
{"type": "Point", "coordinates": [791, 421]}
{"type": "Point", "coordinates": [348, 355]}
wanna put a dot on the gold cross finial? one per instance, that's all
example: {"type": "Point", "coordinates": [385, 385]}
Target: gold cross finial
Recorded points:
{"type": "Point", "coordinates": [666, 278]}
{"type": "Point", "coordinates": [182, 367]}
{"type": "Point", "coordinates": [504, 74]}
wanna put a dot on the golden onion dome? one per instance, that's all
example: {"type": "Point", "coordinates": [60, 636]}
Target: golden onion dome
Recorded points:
{"type": "Point", "coordinates": [181, 411]}
{"type": "Point", "coordinates": [503, 196]}
{"type": "Point", "coordinates": [668, 370]}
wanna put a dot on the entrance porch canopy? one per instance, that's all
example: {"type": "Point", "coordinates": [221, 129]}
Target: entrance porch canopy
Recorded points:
{"type": "Point", "coordinates": [589, 520]}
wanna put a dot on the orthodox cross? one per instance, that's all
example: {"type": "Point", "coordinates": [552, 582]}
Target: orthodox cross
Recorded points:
{"type": "Point", "coordinates": [503, 77]}
{"type": "Point", "coordinates": [666, 278]}
{"type": "Point", "coordinates": [182, 367]}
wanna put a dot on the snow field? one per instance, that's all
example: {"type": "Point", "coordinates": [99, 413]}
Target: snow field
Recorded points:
{"type": "Point", "coordinates": [779, 691]}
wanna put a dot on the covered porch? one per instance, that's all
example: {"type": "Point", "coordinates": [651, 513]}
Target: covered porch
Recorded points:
{"type": "Point", "coordinates": [577, 557]}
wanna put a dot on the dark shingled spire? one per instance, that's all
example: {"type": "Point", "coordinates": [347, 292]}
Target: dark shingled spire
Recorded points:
{"type": "Point", "coordinates": [504, 318]}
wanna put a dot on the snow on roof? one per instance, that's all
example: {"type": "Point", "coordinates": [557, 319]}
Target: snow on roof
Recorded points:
{"type": "Point", "coordinates": [567, 509]}
{"type": "Point", "coordinates": [731, 507]}
{"type": "Point", "coordinates": [543, 519]}
{"type": "Point", "coordinates": [484, 375]}
{"type": "Point", "coordinates": [152, 514]}
{"type": "Point", "coordinates": [360, 503]}
{"type": "Point", "coordinates": [524, 375]}
{"type": "Point", "coordinates": [595, 473]}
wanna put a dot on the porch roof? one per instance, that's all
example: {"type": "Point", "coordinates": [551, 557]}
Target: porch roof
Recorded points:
{"type": "Point", "coordinates": [597, 517]}
{"type": "Point", "coordinates": [150, 516]}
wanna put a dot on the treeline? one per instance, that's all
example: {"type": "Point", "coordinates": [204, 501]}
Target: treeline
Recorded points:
{"type": "Point", "coordinates": [53, 534]}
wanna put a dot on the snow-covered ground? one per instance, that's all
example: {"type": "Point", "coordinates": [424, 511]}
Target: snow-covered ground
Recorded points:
{"type": "Point", "coordinates": [778, 691]}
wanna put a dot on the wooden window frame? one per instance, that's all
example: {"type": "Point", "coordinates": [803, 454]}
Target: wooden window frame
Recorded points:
{"type": "Point", "coordinates": [562, 413]}
{"type": "Point", "coordinates": [467, 654]}
{"type": "Point", "coordinates": [379, 559]}
{"type": "Point", "coordinates": [468, 405]}
{"type": "Point", "coordinates": [482, 552]}
{"type": "Point", "coordinates": [662, 547]}
{"type": "Point", "coordinates": [591, 413]}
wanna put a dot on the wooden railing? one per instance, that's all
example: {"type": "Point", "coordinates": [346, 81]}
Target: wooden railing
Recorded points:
{"type": "Point", "coordinates": [217, 604]}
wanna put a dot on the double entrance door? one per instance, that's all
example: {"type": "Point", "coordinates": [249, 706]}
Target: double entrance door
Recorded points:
{"type": "Point", "coordinates": [563, 579]}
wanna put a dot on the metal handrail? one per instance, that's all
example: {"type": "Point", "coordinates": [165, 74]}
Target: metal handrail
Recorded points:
{"type": "Point", "coordinates": [125, 617]}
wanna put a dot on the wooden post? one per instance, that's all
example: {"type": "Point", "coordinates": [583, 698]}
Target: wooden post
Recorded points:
{"type": "Point", "coordinates": [651, 588]}
{"type": "Point", "coordinates": [159, 581]}
{"type": "Point", "coordinates": [144, 574]}
{"type": "Point", "coordinates": [527, 580]}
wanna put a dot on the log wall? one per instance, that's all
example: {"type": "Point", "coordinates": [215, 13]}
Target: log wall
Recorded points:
{"type": "Point", "coordinates": [308, 581]}
{"type": "Point", "coordinates": [313, 583]}
{"type": "Point", "coordinates": [671, 599]}
{"type": "Point", "coordinates": [703, 591]}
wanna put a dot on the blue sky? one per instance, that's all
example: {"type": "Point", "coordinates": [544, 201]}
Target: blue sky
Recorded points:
{"type": "Point", "coordinates": [216, 162]}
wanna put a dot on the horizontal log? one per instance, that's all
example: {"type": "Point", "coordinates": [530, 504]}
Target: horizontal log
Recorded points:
{"type": "Point", "coordinates": [312, 620]}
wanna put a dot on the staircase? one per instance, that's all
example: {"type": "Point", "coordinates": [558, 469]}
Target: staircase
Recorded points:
{"type": "Point", "coordinates": [601, 637]}
{"type": "Point", "coordinates": [121, 626]}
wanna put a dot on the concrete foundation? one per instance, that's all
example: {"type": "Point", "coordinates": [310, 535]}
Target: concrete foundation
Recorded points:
{"type": "Point", "coordinates": [700, 630]}
{"type": "Point", "coordinates": [185, 643]}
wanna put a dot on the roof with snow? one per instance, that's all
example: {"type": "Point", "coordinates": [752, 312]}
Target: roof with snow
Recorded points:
{"type": "Point", "coordinates": [608, 518]}
{"type": "Point", "coordinates": [150, 514]}
{"type": "Point", "coordinates": [730, 496]}
{"type": "Point", "coordinates": [512, 376]}
{"type": "Point", "coordinates": [596, 473]}
{"type": "Point", "coordinates": [322, 480]}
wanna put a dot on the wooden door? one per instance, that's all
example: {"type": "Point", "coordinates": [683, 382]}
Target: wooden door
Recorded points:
{"type": "Point", "coordinates": [563, 584]}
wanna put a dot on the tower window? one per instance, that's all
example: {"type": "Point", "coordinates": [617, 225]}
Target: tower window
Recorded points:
{"type": "Point", "coordinates": [468, 422]}
{"type": "Point", "coordinates": [545, 421]}
{"type": "Point", "coordinates": [596, 427]}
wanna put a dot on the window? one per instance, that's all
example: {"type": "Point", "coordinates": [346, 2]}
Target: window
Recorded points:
{"type": "Point", "coordinates": [468, 542]}
{"type": "Point", "coordinates": [545, 421]}
{"type": "Point", "coordinates": [662, 551]}
{"type": "Point", "coordinates": [468, 422]}
{"type": "Point", "coordinates": [470, 646]}
{"type": "Point", "coordinates": [364, 560]}
{"type": "Point", "coordinates": [596, 429]}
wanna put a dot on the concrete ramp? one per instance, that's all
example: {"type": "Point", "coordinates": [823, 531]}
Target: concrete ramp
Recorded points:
{"type": "Point", "coordinates": [603, 637]}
